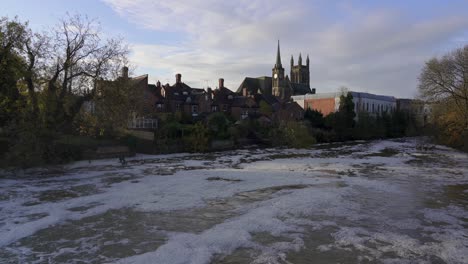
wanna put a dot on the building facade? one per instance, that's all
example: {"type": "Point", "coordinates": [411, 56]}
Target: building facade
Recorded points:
{"type": "Point", "coordinates": [327, 103]}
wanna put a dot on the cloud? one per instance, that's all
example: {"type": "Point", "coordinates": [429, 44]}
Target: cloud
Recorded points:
{"type": "Point", "coordinates": [377, 50]}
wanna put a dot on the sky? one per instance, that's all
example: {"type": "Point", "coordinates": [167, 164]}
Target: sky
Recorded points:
{"type": "Point", "coordinates": [367, 46]}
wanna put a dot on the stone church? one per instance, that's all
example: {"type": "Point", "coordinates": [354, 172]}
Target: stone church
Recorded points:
{"type": "Point", "coordinates": [279, 84]}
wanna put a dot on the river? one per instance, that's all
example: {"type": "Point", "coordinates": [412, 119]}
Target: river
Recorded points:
{"type": "Point", "coordinates": [385, 201]}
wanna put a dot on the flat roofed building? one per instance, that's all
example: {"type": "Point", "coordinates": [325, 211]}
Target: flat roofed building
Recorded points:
{"type": "Point", "coordinates": [327, 103]}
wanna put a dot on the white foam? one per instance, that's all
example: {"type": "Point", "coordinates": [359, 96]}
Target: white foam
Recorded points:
{"type": "Point", "coordinates": [286, 214]}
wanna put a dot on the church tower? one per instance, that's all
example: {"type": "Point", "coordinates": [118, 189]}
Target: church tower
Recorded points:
{"type": "Point", "coordinates": [278, 81]}
{"type": "Point", "coordinates": [300, 73]}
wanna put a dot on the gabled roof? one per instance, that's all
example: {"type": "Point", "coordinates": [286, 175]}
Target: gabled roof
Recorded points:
{"type": "Point", "coordinates": [256, 85]}
{"type": "Point", "coordinates": [222, 95]}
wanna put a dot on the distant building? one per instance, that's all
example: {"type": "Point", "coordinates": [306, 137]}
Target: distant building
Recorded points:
{"type": "Point", "coordinates": [182, 98]}
{"type": "Point", "coordinates": [327, 103]}
{"type": "Point", "coordinates": [264, 98]}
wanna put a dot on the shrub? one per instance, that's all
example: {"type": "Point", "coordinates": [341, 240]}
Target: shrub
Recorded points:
{"type": "Point", "coordinates": [198, 138]}
{"type": "Point", "coordinates": [292, 134]}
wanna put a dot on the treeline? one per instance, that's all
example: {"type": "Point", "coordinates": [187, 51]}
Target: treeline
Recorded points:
{"type": "Point", "coordinates": [222, 131]}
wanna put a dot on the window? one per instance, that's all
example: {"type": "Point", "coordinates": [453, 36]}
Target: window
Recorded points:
{"type": "Point", "coordinates": [367, 108]}
{"type": "Point", "coordinates": [225, 108]}
{"type": "Point", "coordinates": [159, 106]}
{"type": "Point", "coordinates": [177, 107]}
{"type": "Point", "coordinates": [194, 109]}
{"type": "Point", "coordinates": [245, 114]}
{"type": "Point", "coordinates": [144, 123]}
{"type": "Point", "coordinates": [214, 108]}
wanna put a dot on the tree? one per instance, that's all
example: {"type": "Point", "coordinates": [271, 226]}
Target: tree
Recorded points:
{"type": "Point", "coordinates": [218, 125]}
{"type": "Point", "coordinates": [265, 108]}
{"type": "Point", "coordinates": [347, 110]}
{"type": "Point", "coordinates": [443, 83]}
{"type": "Point", "coordinates": [342, 121]}
{"type": "Point", "coordinates": [79, 57]}
{"type": "Point", "coordinates": [46, 77]}
{"type": "Point", "coordinates": [315, 118]}
{"type": "Point", "coordinates": [12, 67]}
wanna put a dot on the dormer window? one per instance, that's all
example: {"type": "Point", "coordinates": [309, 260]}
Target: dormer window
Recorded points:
{"type": "Point", "coordinates": [188, 100]}
{"type": "Point", "coordinates": [184, 93]}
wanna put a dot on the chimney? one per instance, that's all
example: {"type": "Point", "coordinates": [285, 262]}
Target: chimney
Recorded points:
{"type": "Point", "coordinates": [221, 83]}
{"type": "Point", "coordinates": [210, 93]}
{"type": "Point", "coordinates": [125, 72]}
{"type": "Point", "coordinates": [178, 78]}
{"type": "Point", "coordinates": [313, 90]}
{"type": "Point", "coordinates": [158, 84]}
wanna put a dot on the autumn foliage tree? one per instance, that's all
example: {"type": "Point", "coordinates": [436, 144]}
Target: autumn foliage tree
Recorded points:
{"type": "Point", "coordinates": [443, 83]}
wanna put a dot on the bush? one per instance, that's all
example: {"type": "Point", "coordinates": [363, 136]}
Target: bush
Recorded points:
{"type": "Point", "coordinates": [198, 138]}
{"type": "Point", "coordinates": [315, 118]}
{"type": "Point", "coordinates": [292, 134]}
{"type": "Point", "coordinates": [218, 125]}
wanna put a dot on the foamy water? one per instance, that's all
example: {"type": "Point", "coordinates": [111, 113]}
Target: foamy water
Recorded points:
{"type": "Point", "coordinates": [382, 201]}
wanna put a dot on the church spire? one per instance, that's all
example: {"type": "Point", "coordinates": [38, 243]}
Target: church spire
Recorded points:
{"type": "Point", "coordinates": [278, 57]}
{"type": "Point", "coordinates": [307, 60]}
{"type": "Point", "coordinates": [300, 59]}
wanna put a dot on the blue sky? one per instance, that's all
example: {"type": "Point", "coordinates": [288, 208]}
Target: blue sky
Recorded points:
{"type": "Point", "coordinates": [373, 46]}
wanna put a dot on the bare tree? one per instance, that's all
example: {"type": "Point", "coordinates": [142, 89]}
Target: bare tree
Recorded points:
{"type": "Point", "coordinates": [78, 58]}
{"type": "Point", "coordinates": [444, 81]}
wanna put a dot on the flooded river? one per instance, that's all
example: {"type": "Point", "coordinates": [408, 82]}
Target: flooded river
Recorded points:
{"type": "Point", "coordinates": [391, 201]}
